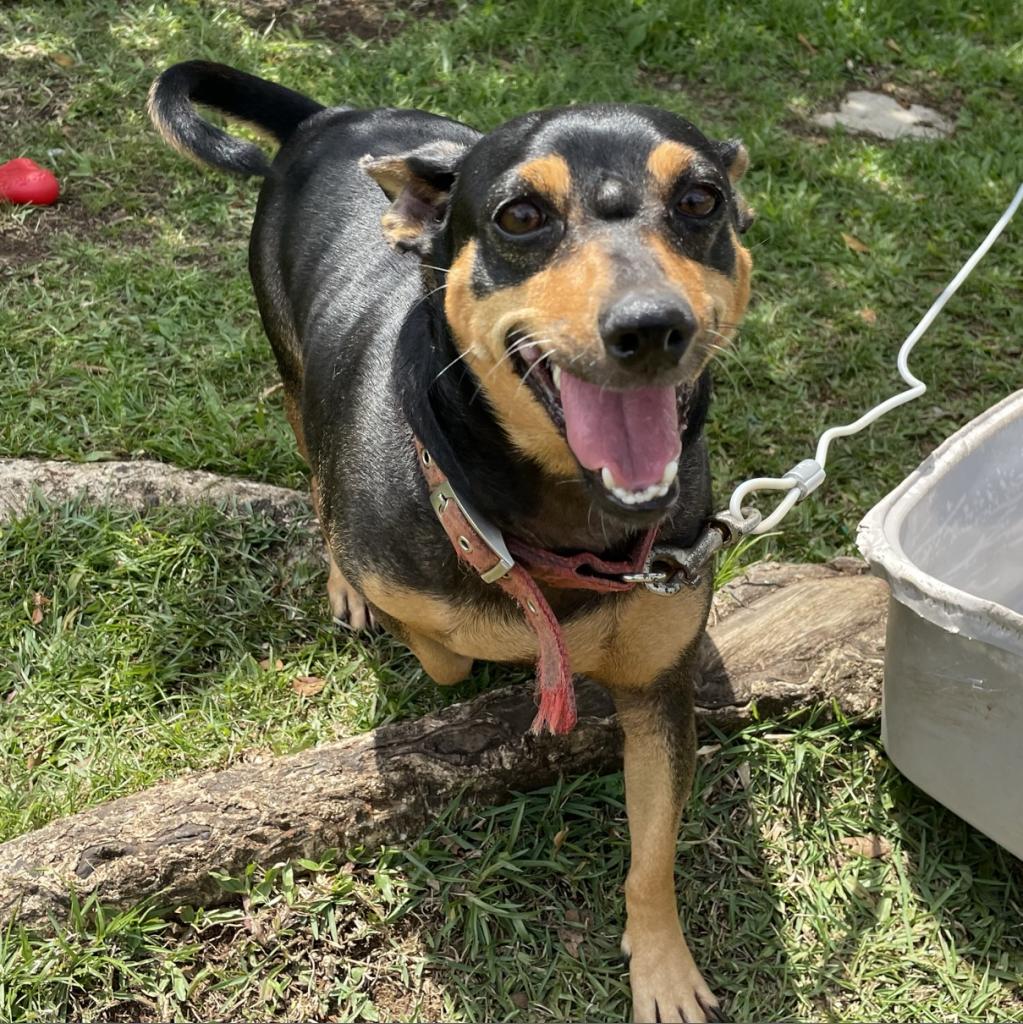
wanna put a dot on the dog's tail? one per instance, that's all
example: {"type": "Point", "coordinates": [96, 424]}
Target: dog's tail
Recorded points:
{"type": "Point", "coordinates": [266, 106]}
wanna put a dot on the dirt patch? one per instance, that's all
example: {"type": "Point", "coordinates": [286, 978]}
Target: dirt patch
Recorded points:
{"type": "Point", "coordinates": [336, 19]}
{"type": "Point", "coordinates": [18, 252]}
{"type": "Point", "coordinates": [26, 233]}
{"type": "Point", "coordinates": [701, 102]}
{"type": "Point", "coordinates": [24, 240]}
{"type": "Point", "coordinates": [33, 88]}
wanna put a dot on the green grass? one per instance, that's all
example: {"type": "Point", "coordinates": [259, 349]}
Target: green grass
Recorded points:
{"type": "Point", "coordinates": [512, 913]}
{"type": "Point", "coordinates": [128, 328]}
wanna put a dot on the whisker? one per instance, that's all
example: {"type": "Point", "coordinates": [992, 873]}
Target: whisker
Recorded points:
{"type": "Point", "coordinates": [458, 358]}
{"type": "Point", "coordinates": [516, 346]}
{"type": "Point", "coordinates": [423, 298]}
{"type": "Point", "coordinates": [536, 363]}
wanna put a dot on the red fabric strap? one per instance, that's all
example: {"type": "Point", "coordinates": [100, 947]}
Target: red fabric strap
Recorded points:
{"type": "Point", "coordinates": [584, 571]}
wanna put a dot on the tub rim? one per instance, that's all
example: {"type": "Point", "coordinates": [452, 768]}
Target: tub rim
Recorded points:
{"type": "Point", "coordinates": [955, 610]}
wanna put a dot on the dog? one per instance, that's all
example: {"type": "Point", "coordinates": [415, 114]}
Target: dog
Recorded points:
{"type": "Point", "coordinates": [494, 350]}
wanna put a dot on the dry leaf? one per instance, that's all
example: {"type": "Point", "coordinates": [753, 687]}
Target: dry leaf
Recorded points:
{"type": "Point", "coordinates": [520, 1000]}
{"type": "Point", "coordinates": [742, 771]}
{"type": "Point", "coordinates": [868, 316]}
{"type": "Point", "coordinates": [873, 846]}
{"type": "Point", "coordinates": [63, 59]}
{"type": "Point", "coordinates": [39, 604]}
{"type": "Point", "coordinates": [266, 664]}
{"type": "Point", "coordinates": [572, 940]}
{"type": "Point", "coordinates": [559, 838]}
{"type": "Point", "coordinates": [806, 44]}
{"type": "Point", "coordinates": [308, 686]}
{"type": "Point", "coordinates": [572, 915]}
{"type": "Point", "coordinates": [256, 755]}
{"type": "Point", "coordinates": [892, 45]}
{"type": "Point", "coordinates": [854, 243]}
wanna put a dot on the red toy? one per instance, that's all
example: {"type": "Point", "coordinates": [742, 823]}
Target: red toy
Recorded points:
{"type": "Point", "coordinates": [22, 181]}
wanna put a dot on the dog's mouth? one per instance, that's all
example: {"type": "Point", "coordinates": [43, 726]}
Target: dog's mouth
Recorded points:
{"type": "Point", "coordinates": [628, 440]}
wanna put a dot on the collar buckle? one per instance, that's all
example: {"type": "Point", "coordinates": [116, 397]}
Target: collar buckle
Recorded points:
{"type": "Point", "coordinates": [485, 530]}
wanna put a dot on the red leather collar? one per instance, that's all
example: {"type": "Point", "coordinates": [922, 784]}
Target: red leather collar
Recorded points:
{"type": "Point", "coordinates": [480, 545]}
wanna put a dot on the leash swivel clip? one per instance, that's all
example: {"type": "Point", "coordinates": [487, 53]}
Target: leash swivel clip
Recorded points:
{"type": "Point", "coordinates": [669, 568]}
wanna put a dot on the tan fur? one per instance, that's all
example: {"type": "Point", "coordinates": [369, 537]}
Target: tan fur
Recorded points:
{"type": "Point", "coordinates": [166, 130]}
{"type": "Point", "coordinates": [628, 640]}
{"type": "Point", "coordinates": [740, 165]}
{"type": "Point", "coordinates": [714, 296]}
{"type": "Point", "coordinates": [664, 978]}
{"type": "Point", "coordinates": [391, 173]}
{"type": "Point", "coordinates": [169, 136]}
{"type": "Point", "coordinates": [666, 162]}
{"type": "Point", "coordinates": [393, 176]}
{"type": "Point", "coordinates": [397, 229]}
{"type": "Point", "coordinates": [441, 665]}
{"type": "Point", "coordinates": [561, 304]}
{"type": "Point", "coordinates": [293, 411]}
{"type": "Point", "coordinates": [550, 176]}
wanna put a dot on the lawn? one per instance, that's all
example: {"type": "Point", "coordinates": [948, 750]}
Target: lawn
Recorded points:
{"type": "Point", "coordinates": [127, 329]}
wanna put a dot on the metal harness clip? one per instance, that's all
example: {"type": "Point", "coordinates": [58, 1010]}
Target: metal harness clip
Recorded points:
{"type": "Point", "coordinates": [669, 568]}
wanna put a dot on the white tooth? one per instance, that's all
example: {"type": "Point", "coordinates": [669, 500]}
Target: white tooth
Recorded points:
{"type": "Point", "coordinates": [634, 497]}
{"type": "Point", "coordinates": [556, 375]}
{"type": "Point", "coordinates": [670, 472]}
{"type": "Point", "coordinates": [608, 479]}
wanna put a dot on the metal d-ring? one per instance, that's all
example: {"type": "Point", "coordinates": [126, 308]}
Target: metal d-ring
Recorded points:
{"type": "Point", "coordinates": [683, 567]}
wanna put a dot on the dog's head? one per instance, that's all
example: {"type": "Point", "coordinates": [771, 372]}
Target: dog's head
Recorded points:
{"type": "Point", "coordinates": [593, 267]}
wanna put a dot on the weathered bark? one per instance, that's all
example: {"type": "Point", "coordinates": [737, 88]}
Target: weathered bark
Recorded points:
{"type": "Point", "coordinates": [783, 638]}
{"type": "Point", "coordinates": [137, 485]}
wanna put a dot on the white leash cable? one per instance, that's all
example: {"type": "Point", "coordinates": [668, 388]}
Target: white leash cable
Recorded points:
{"type": "Point", "coordinates": [808, 475]}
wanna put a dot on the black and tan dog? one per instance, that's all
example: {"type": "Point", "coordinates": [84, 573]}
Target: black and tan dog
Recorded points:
{"type": "Point", "coordinates": [535, 309]}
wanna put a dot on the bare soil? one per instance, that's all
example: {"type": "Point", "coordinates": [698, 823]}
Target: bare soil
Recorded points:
{"type": "Point", "coordinates": [336, 19]}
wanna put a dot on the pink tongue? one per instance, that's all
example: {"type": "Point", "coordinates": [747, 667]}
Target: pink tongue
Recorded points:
{"type": "Point", "coordinates": [635, 433]}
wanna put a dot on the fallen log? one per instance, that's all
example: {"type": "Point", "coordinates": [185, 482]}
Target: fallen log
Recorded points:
{"type": "Point", "coordinates": [136, 484]}
{"type": "Point", "coordinates": [782, 638]}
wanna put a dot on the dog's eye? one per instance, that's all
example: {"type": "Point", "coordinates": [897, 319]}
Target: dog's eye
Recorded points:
{"type": "Point", "coordinates": [520, 217]}
{"type": "Point", "coordinates": [698, 201]}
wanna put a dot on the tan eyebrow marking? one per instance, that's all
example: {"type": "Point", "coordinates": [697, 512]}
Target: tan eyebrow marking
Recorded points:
{"type": "Point", "coordinates": [550, 176]}
{"type": "Point", "coordinates": [667, 161]}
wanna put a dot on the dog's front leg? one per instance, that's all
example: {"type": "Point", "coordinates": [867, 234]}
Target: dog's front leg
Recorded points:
{"type": "Point", "coordinates": [660, 756]}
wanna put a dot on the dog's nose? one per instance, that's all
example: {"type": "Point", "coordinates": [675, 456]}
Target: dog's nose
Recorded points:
{"type": "Point", "coordinates": [648, 333]}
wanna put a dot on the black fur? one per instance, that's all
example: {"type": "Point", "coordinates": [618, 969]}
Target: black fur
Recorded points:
{"type": "Point", "coordinates": [367, 349]}
{"type": "Point", "coordinates": [269, 106]}
{"type": "Point", "coordinates": [368, 358]}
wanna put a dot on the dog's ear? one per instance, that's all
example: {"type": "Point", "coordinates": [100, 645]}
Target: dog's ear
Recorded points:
{"type": "Point", "coordinates": [418, 183]}
{"type": "Point", "coordinates": [734, 155]}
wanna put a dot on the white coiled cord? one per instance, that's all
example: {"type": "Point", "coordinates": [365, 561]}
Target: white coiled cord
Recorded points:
{"type": "Point", "coordinates": [808, 475]}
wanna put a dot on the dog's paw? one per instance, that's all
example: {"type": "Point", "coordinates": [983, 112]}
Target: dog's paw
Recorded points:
{"type": "Point", "coordinates": [666, 985]}
{"type": "Point", "coordinates": [349, 608]}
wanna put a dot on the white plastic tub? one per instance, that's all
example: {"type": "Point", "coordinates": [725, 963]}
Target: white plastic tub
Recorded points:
{"type": "Point", "coordinates": [949, 541]}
